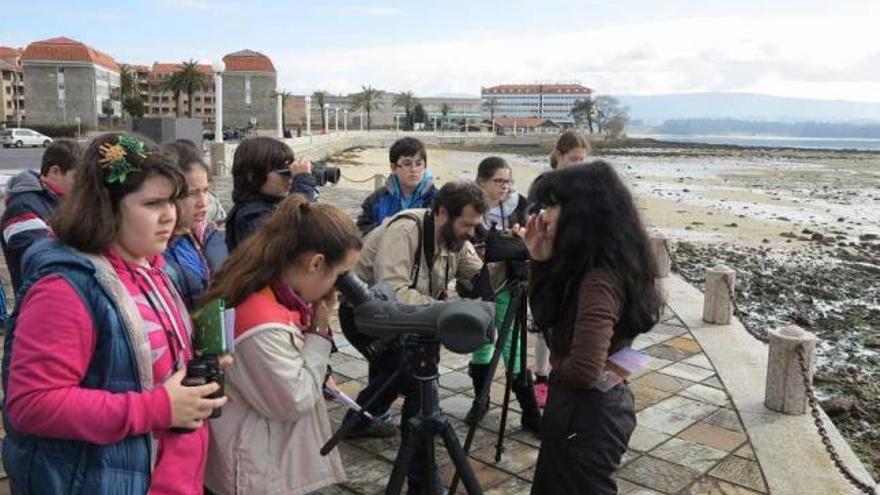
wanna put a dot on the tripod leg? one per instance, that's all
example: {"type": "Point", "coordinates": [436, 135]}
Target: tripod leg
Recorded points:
{"type": "Point", "coordinates": [515, 347]}
{"type": "Point", "coordinates": [401, 463]}
{"type": "Point", "coordinates": [483, 398]}
{"type": "Point", "coordinates": [459, 459]}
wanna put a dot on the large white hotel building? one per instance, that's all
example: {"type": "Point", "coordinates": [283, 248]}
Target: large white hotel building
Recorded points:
{"type": "Point", "coordinates": [548, 101]}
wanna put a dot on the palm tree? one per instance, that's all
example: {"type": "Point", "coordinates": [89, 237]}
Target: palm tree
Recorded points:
{"type": "Point", "coordinates": [584, 111]}
{"type": "Point", "coordinates": [128, 91]}
{"type": "Point", "coordinates": [491, 105]}
{"type": "Point", "coordinates": [285, 97]}
{"type": "Point", "coordinates": [320, 97]}
{"type": "Point", "coordinates": [367, 100]}
{"type": "Point", "coordinates": [186, 79]}
{"type": "Point", "coordinates": [407, 101]}
{"type": "Point", "coordinates": [445, 108]}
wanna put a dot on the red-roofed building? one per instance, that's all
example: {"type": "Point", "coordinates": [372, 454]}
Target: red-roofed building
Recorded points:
{"type": "Point", "coordinates": [549, 101]}
{"type": "Point", "coordinates": [249, 85]}
{"type": "Point", "coordinates": [12, 106]}
{"type": "Point", "coordinates": [66, 79]}
{"type": "Point", "coordinates": [159, 103]}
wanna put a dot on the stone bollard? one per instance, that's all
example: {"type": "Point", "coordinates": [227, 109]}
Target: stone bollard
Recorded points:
{"type": "Point", "coordinates": [218, 159]}
{"type": "Point", "coordinates": [785, 391]}
{"type": "Point", "coordinates": [661, 253]}
{"type": "Point", "coordinates": [378, 181]}
{"type": "Point", "coordinates": [717, 302]}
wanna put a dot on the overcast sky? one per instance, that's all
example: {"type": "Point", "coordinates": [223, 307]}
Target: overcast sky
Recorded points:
{"type": "Point", "coordinates": [805, 48]}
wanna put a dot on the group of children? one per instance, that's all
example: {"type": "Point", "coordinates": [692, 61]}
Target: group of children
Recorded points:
{"type": "Point", "coordinates": [110, 249]}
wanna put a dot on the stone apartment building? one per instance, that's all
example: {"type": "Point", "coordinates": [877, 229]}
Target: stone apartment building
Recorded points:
{"type": "Point", "coordinates": [249, 89]}
{"type": "Point", "coordinates": [12, 104]}
{"type": "Point", "coordinates": [65, 79]}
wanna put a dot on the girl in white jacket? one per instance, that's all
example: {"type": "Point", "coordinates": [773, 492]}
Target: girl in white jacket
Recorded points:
{"type": "Point", "coordinates": [281, 283]}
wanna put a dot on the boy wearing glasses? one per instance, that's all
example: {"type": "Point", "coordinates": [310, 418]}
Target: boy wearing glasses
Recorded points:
{"type": "Point", "coordinates": [409, 186]}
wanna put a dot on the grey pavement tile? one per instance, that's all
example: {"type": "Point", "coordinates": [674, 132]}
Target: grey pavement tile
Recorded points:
{"type": "Point", "coordinates": [687, 371]}
{"type": "Point", "coordinates": [367, 476]}
{"type": "Point", "coordinates": [629, 456]}
{"type": "Point", "coordinates": [715, 486]}
{"type": "Point", "coordinates": [456, 381]}
{"type": "Point", "coordinates": [649, 339]}
{"type": "Point", "coordinates": [689, 454]}
{"type": "Point", "coordinates": [746, 452]}
{"type": "Point", "coordinates": [626, 488]}
{"type": "Point", "coordinates": [685, 406]}
{"type": "Point", "coordinates": [332, 490]}
{"type": "Point", "coordinates": [699, 360]}
{"type": "Point", "coordinates": [663, 382]}
{"type": "Point", "coordinates": [527, 437]}
{"type": "Point", "coordinates": [454, 361]}
{"type": "Point", "coordinates": [707, 394]}
{"type": "Point", "coordinates": [725, 418]}
{"type": "Point", "coordinates": [644, 438]}
{"type": "Point", "coordinates": [513, 486]}
{"type": "Point", "coordinates": [456, 406]}
{"type": "Point", "coordinates": [670, 330]}
{"type": "Point", "coordinates": [742, 472]}
{"type": "Point", "coordinates": [713, 382]}
{"type": "Point", "coordinates": [492, 420]}
{"type": "Point", "coordinates": [664, 421]}
{"type": "Point", "coordinates": [516, 458]}
{"type": "Point", "coordinates": [658, 474]}
{"type": "Point", "coordinates": [354, 369]}
{"type": "Point", "coordinates": [488, 476]}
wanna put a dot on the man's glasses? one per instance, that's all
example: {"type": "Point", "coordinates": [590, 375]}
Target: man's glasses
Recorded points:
{"type": "Point", "coordinates": [406, 163]}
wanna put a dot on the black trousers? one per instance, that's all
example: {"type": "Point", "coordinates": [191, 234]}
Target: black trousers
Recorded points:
{"type": "Point", "coordinates": [381, 368]}
{"type": "Point", "coordinates": [585, 435]}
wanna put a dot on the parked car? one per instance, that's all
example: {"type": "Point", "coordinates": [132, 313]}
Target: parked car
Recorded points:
{"type": "Point", "coordinates": [23, 137]}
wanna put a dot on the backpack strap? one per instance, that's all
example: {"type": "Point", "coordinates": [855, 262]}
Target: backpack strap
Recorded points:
{"type": "Point", "coordinates": [425, 243]}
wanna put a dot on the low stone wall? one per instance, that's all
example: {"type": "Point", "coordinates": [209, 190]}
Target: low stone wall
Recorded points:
{"type": "Point", "coordinates": [320, 147]}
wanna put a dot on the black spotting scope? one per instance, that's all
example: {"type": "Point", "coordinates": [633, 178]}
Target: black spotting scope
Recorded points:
{"type": "Point", "coordinates": [462, 325]}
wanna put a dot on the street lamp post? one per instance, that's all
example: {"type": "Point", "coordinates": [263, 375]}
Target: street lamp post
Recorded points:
{"type": "Point", "coordinates": [308, 115]}
{"type": "Point", "coordinates": [218, 67]}
{"type": "Point", "coordinates": [279, 114]}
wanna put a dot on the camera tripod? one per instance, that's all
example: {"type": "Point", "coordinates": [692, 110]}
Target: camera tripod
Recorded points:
{"type": "Point", "coordinates": [422, 355]}
{"type": "Point", "coordinates": [517, 313]}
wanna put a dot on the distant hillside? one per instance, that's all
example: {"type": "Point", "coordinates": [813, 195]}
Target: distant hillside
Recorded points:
{"type": "Point", "coordinates": [655, 109]}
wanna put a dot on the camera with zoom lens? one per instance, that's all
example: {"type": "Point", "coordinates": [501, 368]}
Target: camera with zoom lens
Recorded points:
{"type": "Point", "coordinates": [203, 370]}
{"type": "Point", "coordinates": [324, 173]}
{"type": "Point", "coordinates": [501, 246]}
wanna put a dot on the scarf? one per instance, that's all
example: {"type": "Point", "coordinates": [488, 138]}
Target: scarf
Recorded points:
{"type": "Point", "coordinates": [293, 301]}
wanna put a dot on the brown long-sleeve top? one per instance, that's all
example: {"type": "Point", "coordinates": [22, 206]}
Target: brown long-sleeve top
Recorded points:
{"type": "Point", "coordinates": [593, 316]}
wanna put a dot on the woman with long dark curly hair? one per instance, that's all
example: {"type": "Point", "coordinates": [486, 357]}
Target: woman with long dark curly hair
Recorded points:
{"type": "Point", "coordinates": [592, 291]}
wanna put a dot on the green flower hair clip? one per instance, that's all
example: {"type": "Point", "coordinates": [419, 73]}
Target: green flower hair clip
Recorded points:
{"type": "Point", "coordinates": [115, 158]}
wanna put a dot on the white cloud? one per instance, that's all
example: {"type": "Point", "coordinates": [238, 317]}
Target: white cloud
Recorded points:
{"type": "Point", "coordinates": [193, 5]}
{"type": "Point", "coordinates": [834, 57]}
{"type": "Point", "coordinates": [369, 10]}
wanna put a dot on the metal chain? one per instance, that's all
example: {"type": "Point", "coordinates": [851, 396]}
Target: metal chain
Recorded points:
{"type": "Point", "coordinates": [813, 402]}
{"type": "Point", "coordinates": [364, 180]}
